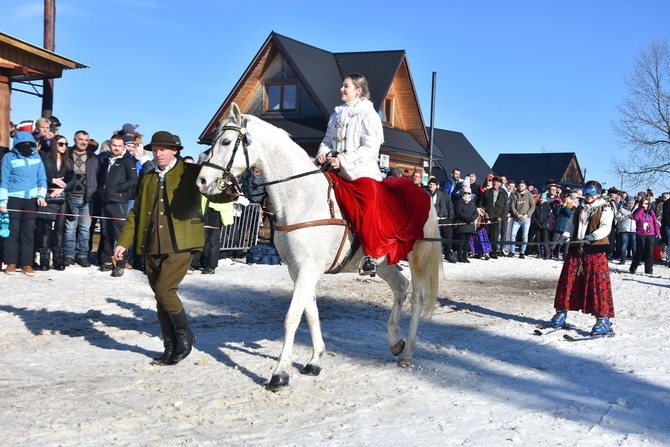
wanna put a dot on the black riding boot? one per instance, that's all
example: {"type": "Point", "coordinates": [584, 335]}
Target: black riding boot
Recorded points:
{"type": "Point", "coordinates": [184, 338]}
{"type": "Point", "coordinates": [44, 259]}
{"type": "Point", "coordinates": [167, 332]}
{"type": "Point", "coordinates": [59, 260]}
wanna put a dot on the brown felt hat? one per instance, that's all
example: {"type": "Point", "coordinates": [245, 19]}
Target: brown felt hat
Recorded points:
{"type": "Point", "coordinates": [163, 138]}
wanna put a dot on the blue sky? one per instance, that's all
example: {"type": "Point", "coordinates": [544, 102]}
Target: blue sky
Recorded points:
{"type": "Point", "coordinates": [513, 76]}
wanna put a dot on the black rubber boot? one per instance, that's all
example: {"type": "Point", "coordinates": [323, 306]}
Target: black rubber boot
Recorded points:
{"type": "Point", "coordinates": [184, 338]}
{"type": "Point", "coordinates": [59, 259]}
{"type": "Point", "coordinates": [44, 259]}
{"type": "Point", "coordinates": [167, 332]}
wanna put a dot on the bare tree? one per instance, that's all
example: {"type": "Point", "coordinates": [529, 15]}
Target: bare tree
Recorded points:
{"type": "Point", "coordinates": [644, 118]}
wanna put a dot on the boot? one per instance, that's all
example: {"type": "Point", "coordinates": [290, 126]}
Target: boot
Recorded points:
{"type": "Point", "coordinates": [59, 259]}
{"type": "Point", "coordinates": [44, 259]}
{"type": "Point", "coordinates": [184, 338]}
{"type": "Point", "coordinates": [167, 332]}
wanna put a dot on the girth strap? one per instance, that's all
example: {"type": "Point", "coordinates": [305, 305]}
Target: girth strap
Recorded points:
{"type": "Point", "coordinates": [331, 221]}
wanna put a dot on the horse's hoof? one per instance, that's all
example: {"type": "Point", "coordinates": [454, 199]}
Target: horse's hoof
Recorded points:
{"type": "Point", "coordinates": [277, 382]}
{"type": "Point", "coordinates": [404, 363]}
{"type": "Point", "coordinates": [397, 348]}
{"type": "Point", "coordinates": [310, 370]}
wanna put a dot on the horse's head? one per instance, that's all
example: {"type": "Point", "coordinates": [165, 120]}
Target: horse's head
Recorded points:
{"type": "Point", "coordinates": [228, 158]}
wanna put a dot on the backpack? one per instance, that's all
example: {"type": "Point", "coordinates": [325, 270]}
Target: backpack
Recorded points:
{"type": "Point", "coordinates": [263, 254]}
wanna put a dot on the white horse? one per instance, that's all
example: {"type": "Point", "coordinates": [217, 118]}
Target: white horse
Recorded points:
{"type": "Point", "coordinates": [311, 238]}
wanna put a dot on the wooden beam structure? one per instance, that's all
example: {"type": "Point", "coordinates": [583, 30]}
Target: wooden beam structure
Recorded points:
{"type": "Point", "coordinates": [24, 62]}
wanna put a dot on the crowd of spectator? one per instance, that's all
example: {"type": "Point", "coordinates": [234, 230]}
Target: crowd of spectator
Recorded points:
{"type": "Point", "coordinates": [56, 195]}
{"type": "Point", "coordinates": [508, 218]}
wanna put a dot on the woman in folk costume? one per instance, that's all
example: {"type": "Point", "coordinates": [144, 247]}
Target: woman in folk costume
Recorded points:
{"type": "Point", "coordinates": [351, 146]}
{"type": "Point", "coordinates": [584, 283]}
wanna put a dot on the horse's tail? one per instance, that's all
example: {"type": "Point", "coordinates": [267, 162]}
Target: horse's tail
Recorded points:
{"type": "Point", "coordinates": [433, 268]}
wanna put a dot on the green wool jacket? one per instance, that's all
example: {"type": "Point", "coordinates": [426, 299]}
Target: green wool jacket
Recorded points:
{"type": "Point", "coordinates": [187, 229]}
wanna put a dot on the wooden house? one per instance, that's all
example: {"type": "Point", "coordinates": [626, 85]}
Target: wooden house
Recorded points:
{"type": "Point", "coordinates": [295, 87]}
{"type": "Point", "coordinates": [537, 169]}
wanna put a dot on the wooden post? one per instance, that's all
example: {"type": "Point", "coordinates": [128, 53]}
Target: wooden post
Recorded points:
{"type": "Point", "coordinates": [5, 101]}
{"type": "Point", "coordinates": [49, 44]}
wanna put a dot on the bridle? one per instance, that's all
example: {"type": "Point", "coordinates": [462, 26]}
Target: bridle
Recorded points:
{"type": "Point", "coordinates": [228, 178]}
{"type": "Point", "coordinates": [244, 138]}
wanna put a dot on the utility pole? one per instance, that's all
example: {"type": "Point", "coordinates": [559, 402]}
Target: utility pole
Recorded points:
{"type": "Point", "coordinates": [49, 44]}
{"type": "Point", "coordinates": [432, 124]}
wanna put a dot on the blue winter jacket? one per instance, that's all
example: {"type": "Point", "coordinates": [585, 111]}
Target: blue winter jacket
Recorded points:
{"type": "Point", "coordinates": [22, 176]}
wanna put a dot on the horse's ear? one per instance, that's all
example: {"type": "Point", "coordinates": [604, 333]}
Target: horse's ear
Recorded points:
{"type": "Point", "coordinates": [236, 114]}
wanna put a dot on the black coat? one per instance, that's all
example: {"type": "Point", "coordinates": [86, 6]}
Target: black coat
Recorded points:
{"type": "Point", "coordinates": [118, 182]}
{"type": "Point", "coordinates": [53, 172]}
{"type": "Point", "coordinates": [495, 209]}
{"type": "Point", "coordinates": [443, 206]}
{"type": "Point", "coordinates": [465, 213]}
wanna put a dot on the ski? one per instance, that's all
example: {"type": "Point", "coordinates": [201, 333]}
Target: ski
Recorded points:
{"type": "Point", "coordinates": [570, 338]}
{"type": "Point", "coordinates": [541, 330]}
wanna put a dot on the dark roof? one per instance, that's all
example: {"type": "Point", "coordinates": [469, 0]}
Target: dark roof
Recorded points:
{"type": "Point", "coordinates": [534, 168]}
{"type": "Point", "coordinates": [321, 70]}
{"type": "Point", "coordinates": [458, 153]}
{"type": "Point", "coordinates": [402, 142]}
{"type": "Point", "coordinates": [378, 67]}
{"type": "Point", "coordinates": [318, 68]}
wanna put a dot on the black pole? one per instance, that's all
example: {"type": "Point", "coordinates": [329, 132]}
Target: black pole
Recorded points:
{"type": "Point", "coordinates": [432, 124]}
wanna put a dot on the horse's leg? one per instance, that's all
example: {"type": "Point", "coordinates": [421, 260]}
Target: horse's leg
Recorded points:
{"type": "Point", "coordinates": [405, 358]}
{"type": "Point", "coordinates": [318, 346]}
{"type": "Point", "coordinates": [398, 284]}
{"type": "Point", "coordinates": [303, 291]}
{"type": "Point", "coordinates": [425, 261]}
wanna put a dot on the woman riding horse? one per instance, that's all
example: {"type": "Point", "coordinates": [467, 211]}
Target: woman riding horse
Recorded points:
{"type": "Point", "coordinates": [351, 146]}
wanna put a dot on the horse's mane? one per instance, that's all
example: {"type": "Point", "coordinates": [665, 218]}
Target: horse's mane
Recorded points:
{"type": "Point", "coordinates": [281, 141]}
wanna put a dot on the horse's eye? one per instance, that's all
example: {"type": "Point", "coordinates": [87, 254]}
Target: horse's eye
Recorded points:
{"type": "Point", "coordinates": [226, 142]}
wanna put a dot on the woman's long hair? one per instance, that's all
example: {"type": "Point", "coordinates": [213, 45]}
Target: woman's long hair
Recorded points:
{"type": "Point", "coordinates": [55, 155]}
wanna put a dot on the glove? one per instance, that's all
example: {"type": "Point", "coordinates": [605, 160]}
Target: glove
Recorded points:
{"type": "Point", "coordinates": [589, 238]}
{"type": "Point", "coordinates": [563, 239]}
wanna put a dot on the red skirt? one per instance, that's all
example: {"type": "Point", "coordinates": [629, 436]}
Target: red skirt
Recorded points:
{"type": "Point", "coordinates": [588, 289]}
{"type": "Point", "coordinates": [388, 216]}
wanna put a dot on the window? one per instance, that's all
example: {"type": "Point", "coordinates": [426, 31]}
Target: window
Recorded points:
{"type": "Point", "coordinates": [281, 96]}
{"type": "Point", "coordinates": [386, 112]}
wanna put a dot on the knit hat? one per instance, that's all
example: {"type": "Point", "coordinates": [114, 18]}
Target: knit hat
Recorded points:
{"type": "Point", "coordinates": [630, 199]}
{"type": "Point", "coordinates": [433, 180]}
{"type": "Point", "coordinates": [128, 128]}
{"type": "Point", "coordinates": [128, 139]}
{"type": "Point", "coordinates": [642, 194]}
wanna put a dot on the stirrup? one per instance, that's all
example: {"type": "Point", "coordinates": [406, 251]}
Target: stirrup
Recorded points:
{"type": "Point", "coordinates": [368, 267]}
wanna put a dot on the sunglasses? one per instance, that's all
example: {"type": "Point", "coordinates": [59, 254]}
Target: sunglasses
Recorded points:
{"type": "Point", "coordinates": [61, 144]}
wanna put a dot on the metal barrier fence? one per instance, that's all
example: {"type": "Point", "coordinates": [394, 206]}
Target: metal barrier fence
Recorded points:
{"type": "Point", "coordinates": [242, 234]}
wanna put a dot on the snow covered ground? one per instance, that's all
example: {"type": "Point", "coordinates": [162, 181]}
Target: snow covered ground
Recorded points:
{"type": "Point", "coordinates": [76, 347]}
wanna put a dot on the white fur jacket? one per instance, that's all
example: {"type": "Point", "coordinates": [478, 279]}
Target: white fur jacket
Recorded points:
{"type": "Point", "coordinates": [355, 134]}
